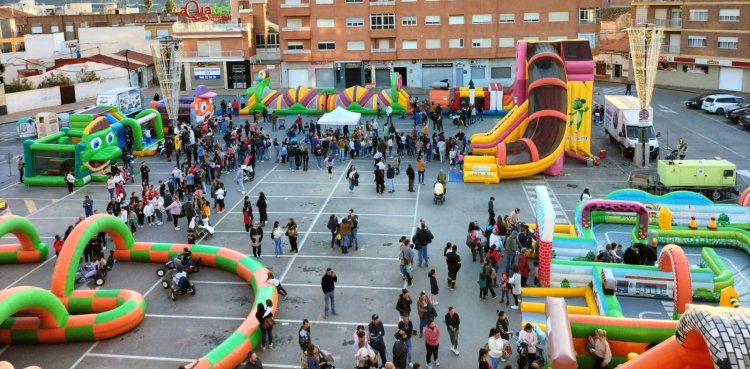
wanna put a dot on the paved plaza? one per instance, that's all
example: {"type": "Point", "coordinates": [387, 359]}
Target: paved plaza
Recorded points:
{"type": "Point", "coordinates": [369, 282]}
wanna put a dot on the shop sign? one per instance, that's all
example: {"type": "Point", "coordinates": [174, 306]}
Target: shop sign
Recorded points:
{"type": "Point", "coordinates": [663, 58]}
{"type": "Point", "coordinates": [195, 12]}
{"type": "Point", "coordinates": [202, 74]}
{"type": "Point", "coordinates": [437, 65]}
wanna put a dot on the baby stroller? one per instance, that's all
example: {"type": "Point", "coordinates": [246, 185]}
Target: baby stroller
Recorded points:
{"type": "Point", "coordinates": [248, 173]}
{"type": "Point", "coordinates": [439, 193]}
{"type": "Point", "coordinates": [200, 227]}
{"type": "Point", "coordinates": [523, 356]}
{"type": "Point", "coordinates": [325, 359]}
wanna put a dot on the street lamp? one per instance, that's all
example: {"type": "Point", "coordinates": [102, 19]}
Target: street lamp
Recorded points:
{"type": "Point", "coordinates": [127, 67]}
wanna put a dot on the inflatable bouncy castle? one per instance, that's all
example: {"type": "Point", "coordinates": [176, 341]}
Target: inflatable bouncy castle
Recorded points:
{"type": "Point", "coordinates": [200, 105]}
{"type": "Point", "coordinates": [306, 101]}
{"type": "Point", "coordinates": [554, 86]}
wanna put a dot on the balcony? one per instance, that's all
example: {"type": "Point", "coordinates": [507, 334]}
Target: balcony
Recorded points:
{"type": "Point", "coordinates": [298, 55]}
{"type": "Point", "coordinates": [293, 9]}
{"type": "Point", "coordinates": [296, 33]}
{"type": "Point", "coordinates": [384, 50]}
{"type": "Point", "coordinates": [382, 2]}
{"type": "Point", "coordinates": [383, 33]}
{"type": "Point", "coordinates": [668, 23]}
{"type": "Point", "coordinates": [209, 27]}
{"type": "Point", "coordinates": [296, 51]}
{"type": "Point", "coordinates": [213, 55]}
{"type": "Point", "coordinates": [670, 49]}
{"type": "Point", "coordinates": [656, 2]}
{"type": "Point", "coordinates": [266, 54]}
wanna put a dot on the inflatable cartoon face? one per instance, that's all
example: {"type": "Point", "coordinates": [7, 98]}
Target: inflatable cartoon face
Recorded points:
{"type": "Point", "coordinates": [262, 74]}
{"type": "Point", "coordinates": [100, 145]}
{"type": "Point", "coordinates": [204, 109]}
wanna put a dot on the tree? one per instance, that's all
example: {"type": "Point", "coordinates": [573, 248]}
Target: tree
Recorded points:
{"type": "Point", "coordinates": [170, 6]}
{"type": "Point", "coordinates": [55, 79]}
{"type": "Point", "coordinates": [18, 86]}
{"type": "Point", "coordinates": [148, 4]}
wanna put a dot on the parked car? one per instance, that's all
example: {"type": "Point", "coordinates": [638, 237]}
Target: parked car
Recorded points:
{"type": "Point", "coordinates": [744, 120]}
{"type": "Point", "coordinates": [697, 102]}
{"type": "Point", "coordinates": [718, 104]}
{"type": "Point", "coordinates": [735, 113]}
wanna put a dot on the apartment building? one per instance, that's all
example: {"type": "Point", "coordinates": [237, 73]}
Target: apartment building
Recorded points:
{"type": "Point", "coordinates": [341, 43]}
{"type": "Point", "coordinates": [705, 44]}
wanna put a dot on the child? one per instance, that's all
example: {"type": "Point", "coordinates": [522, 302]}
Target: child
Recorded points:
{"type": "Point", "coordinates": [434, 290]}
{"type": "Point", "coordinates": [329, 164]}
{"type": "Point", "coordinates": [505, 296]}
{"type": "Point", "coordinates": [133, 220]}
{"type": "Point", "coordinates": [277, 283]}
{"type": "Point", "coordinates": [59, 244]}
{"type": "Point", "coordinates": [482, 285]}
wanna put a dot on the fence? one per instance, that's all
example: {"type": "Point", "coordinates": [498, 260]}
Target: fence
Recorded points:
{"type": "Point", "coordinates": [51, 97]}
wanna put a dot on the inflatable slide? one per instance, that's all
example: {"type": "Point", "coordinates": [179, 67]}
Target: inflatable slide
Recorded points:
{"type": "Point", "coordinates": [554, 82]}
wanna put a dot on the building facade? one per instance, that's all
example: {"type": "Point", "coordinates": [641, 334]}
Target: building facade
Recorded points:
{"type": "Point", "coordinates": [705, 44]}
{"type": "Point", "coordinates": [341, 43]}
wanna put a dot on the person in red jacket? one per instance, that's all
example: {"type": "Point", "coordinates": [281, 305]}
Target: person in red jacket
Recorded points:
{"type": "Point", "coordinates": [523, 266]}
{"type": "Point", "coordinates": [432, 342]}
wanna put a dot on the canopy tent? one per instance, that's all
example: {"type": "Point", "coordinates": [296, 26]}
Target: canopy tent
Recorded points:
{"type": "Point", "coordinates": [340, 117]}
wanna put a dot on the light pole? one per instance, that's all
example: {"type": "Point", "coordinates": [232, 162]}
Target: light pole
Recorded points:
{"type": "Point", "coordinates": [127, 67]}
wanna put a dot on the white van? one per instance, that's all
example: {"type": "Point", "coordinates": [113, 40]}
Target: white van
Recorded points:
{"type": "Point", "coordinates": [622, 124]}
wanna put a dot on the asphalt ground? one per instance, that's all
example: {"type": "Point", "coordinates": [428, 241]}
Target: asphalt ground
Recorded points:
{"type": "Point", "coordinates": [369, 281]}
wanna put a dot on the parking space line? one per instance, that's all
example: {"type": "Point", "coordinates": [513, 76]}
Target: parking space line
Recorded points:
{"type": "Point", "coordinates": [344, 286]}
{"type": "Point", "coordinates": [93, 345]}
{"type": "Point", "coordinates": [314, 222]}
{"type": "Point", "coordinates": [5, 348]}
{"type": "Point", "coordinates": [221, 282]}
{"type": "Point", "coordinates": [157, 283]}
{"type": "Point", "coordinates": [7, 187]}
{"type": "Point", "coordinates": [328, 322]}
{"type": "Point", "coordinates": [200, 317]}
{"type": "Point", "coordinates": [341, 257]}
{"type": "Point", "coordinates": [138, 357]}
{"type": "Point", "coordinates": [30, 271]}
{"type": "Point", "coordinates": [313, 213]}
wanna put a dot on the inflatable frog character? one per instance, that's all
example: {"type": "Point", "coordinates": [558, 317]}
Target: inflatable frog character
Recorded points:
{"type": "Point", "coordinates": [576, 116]}
{"type": "Point", "coordinates": [100, 145]}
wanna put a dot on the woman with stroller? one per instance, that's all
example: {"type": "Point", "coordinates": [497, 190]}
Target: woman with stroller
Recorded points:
{"type": "Point", "coordinates": [528, 337]}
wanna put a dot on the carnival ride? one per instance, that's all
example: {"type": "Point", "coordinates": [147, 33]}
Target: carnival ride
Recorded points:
{"type": "Point", "coordinates": [697, 342]}
{"type": "Point", "coordinates": [198, 108]}
{"type": "Point", "coordinates": [554, 89]}
{"type": "Point", "coordinates": [64, 314]}
{"type": "Point", "coordinates": [306, 101]}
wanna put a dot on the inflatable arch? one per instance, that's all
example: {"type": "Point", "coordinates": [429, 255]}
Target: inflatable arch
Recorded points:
{"type": "Point", "coordinates": [63, 314]}
{"type": "Point", "coordinates": [723, 330]}
{"type": "Point", "coordinates": [673, 259]}
{"type": "Point", "coordinates": [29, 248]}
{"type": "Point", "coordinates": [620, 207]}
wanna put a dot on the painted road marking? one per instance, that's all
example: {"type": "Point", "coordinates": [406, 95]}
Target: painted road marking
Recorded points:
{"type": "Point", "coordinates": [665, 109]}
{"type": "Point", "coordinates": [30, 205]}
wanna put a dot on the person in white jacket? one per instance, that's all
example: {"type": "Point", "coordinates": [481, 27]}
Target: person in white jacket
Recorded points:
{"type": "Point", "coordinates": [528, 337]}
{"type": "Point", "coordinates": [515, 282]}
{"type": "Point", "coordinates": [496, 345]}
{"type": "Point", "coordinates": [157, 202]}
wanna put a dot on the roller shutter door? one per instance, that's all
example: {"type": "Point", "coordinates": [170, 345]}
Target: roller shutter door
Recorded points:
{"type": "Point", "coordinates": [436, 74]}
{"type": "Point", "coordinates": [298, 77]}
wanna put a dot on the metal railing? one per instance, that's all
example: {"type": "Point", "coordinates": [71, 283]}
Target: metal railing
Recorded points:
{"type": "Point", "coordinates": [296, 51]}
{"type": "Point", "coordinates": [295, 29]}
{"type": "Point", "coordinates": [219, 54]}
{"type": "Point", "coordinates": [292, 5]}
{"type": "Point", "coordinates": [668, 23]}
{"type": "Point", "coordinates": [670, 49]}
{"type": "Point", "coordinates": [208, 27]}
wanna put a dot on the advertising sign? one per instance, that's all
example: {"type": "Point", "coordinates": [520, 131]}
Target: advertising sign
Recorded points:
{"type": "Point", "coordinates": [206, 73]}
{"type": "Point", "coordinates": [193, 11]}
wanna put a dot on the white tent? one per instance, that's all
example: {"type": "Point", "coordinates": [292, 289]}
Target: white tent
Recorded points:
{"type": "Point", "coordinates": [340, 117]}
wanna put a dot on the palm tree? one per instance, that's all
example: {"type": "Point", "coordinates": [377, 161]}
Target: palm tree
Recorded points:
{"type": "Point", "coordinates": [170, 6]}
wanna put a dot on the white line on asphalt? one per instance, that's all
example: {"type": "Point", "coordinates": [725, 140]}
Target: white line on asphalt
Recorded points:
{"type": "Point", "coordinates": [341, 257]}
{"type": "Point", "coordinates": [313, 213]}
{"type": "Point", "coordinates": [737, 271]}
{"type": "Point", "coordinates": [221, 282]}
{"type": "Point", "coordinates": [330, 323]}
{"type": "Point", "coordinates": [5, 348]}
{"type": "Point", "coordinates": [342, 286]}
{"type": "Point", "coordinates": [157, 283]}
{"type": "Point", "coordinates": [642, 314]}
{"type": "Point", "coordinates": [241, 200]}
{"type": "Point", "coordinates": [138, 357]}
{"type": "Point", "coordinates": [84, 355]}
{"type": "Point", "coordinates": [202, 317]}
{"type": "Point", "coordinates": [7, 187]}
{"type": "Point", "coordinates": [314, 222]}
{"type": "Point", "coordinates": [30, 271]}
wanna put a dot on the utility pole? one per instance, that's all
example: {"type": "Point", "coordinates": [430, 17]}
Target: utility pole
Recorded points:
{"type": "Point", "coordinates": [127, 67]}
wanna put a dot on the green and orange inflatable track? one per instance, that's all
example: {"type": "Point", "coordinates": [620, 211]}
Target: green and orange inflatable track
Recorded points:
{"type": "Point", "coordinates": [63, 314]}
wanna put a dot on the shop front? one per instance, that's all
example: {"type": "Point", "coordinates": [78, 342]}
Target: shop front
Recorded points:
{"type": "Point", "coordinates": [324, 75]}
{"type": "Point", "coordinates": [210, 74]}
{"type": "Point", "coordinates": [723, 74]}
{"type": "Point", "coordinates": [349, 74]}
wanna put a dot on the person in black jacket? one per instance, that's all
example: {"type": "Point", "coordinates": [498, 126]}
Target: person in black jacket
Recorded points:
{"type": "Point", "coordinates": [646, 254]}
{"type": "Point", "coordinates": [305, 159]}
{"type": "Point", "coordinates": [631, 255]}
{"type": "Point", "coordinates": [410, 175]}
{"type": "Point", "coordinates": [403, 305]}
{"type": "Point", "coordinates": [400, 352]}
{"type": "Point", "coordinates": [328, 283]}
{"type": "Point", "coordinates": [377, 333]}
{"type": "Point", "coordinates": [304, 335]}
{"type": "Point", "coordinates": [454, 265]}
{"type": "Point", "coordinates": [452, 321]}
{"type": "Point", "coordinates": [379, 181]}
{"type": "Point", "coordinates": [406, 328]}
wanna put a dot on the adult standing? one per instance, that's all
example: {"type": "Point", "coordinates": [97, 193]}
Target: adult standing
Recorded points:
{"type": "Point", "coordinates": [328, 284]}
{"type": "Point", "coordinates": [260, 313]}
{"type": "Point", "coordinates": [406, 328]}
{"type": "Point", "coordinates": [88, 206]}
{"type": "Point", "coordinates": [256, 239]}
{"type": "Point", "coordinates": [602, 353]}
{"type": "Point", "coordinates": [20, 166]}
{"type": "Point", "coordinates": [354, 221]}
{"type": "Point", "coordinates": [379, 180]}
{"type": "Point", "coordinates": [70, 180]}
{"type": "Point", "coordinates": [432, 342]}
{"type": "Point", "coordinates": [421, 167]}
{"type": "Point", "coordinates": [305, 339]}
{"type": "Point", "coordinates": [452, 322]}
{"type": "Point", "coordinates": [175, 208]}
{"type": "Point", "coordinates": [529, 338]}
{"type": "Point", "coordinates": [333, 226]}
{"type": "Point", "coordinates": [511, 250]}
{"type": "Point", "coordinates": [276, 236]}
{"type": "Point", "coordinates": [111, 185]}
{"type": "Point", "coordinates": [403, 305]}
{"type": "Point", "coordinates": [406, 259]}
{"type": "Point", "coordinates": [377, 334]}
{"type": "Point", "coordinates": [496, 346]}
{"type": "Point", "coordinates": [389, 118]}
{"type": "Point", "coordinates": [144, 172]}
{"type": "Point", "coordinates": [491, 207]}
{"type": "Point", "coordinates": [410, 175]}
{"type": "Point", "coordinates": [400, 351]}
{"type": "Point", "coordinates": [390, 173]}
{"type": "Point", "coordinates": [353, 178]}
{"type": "Point", "coordinates": [454, 265]}
{"type": "Point", "coordinates": [240, 179]}
{"type": "Point", "coordinates": [267, 324]}
{"type": "Point", "coordinates": [422, 238]}
{"type": "Point", "coordinates": [262, 208]}
{"type": "Point", "coordinates": [515, 282]}
{"type": "Point", "coordinates": [586, 195]}
{"type": "Point", "coordinates": [291, 232]}
{"type": "Point", "coordinates": [345, 231]}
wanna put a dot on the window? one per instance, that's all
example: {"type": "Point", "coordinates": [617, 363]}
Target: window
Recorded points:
{"type": "Point", "coordinates": [382, 21]}
{"type": "Point", "coordinates": [55, 28]}
{"type": "Point", "coordinates": [148, 35]}
{"type": "Point", "coordinates": [409, 45]}
{"type": "Point", "coordinates": [478, 72]}
{"type": "Point", "coordinates": [507, 18]}
{"type": "Point", "coordinates": [506, 42]}
{"type": "Point", "coordinates": [456, 19]}
{"type": "Point", "coordinates": [323, 1]}
{"type": "Point", "coordinates": [294, 45]}
{"type": "Point", "coordinates": [69, 27]}
{"type": "Point", "coordinates": [294, 23]}
{"type": "Point", "coordinates": [432, 44]}
{"type": "Point", "coordinates": [729, 15]}
{"type": "Point", "coordinates": [481, 19]}
{"type": "Point", "coordinates": [500, 72]}
{"type": "Point", "coordinates": [557, 16]}
{"type": "Point", "coordinates": [353, 1]}
{"type": "Point", "coordinates": [588, 15]}
{"type": "Point", "coordinates": [355, 45]}
{"type": "Point", "coordinates": [456, 43]}
{"type": "Point", "coordinates": [727, 43]}
{"type": "Point", "coordinates": [531, 38]}
{"type": "Point", "coordinates": [355, 22]}
{"type": "Point", "coordinates": [324, 22]}
{"type": "Point", "coordinates": [326, 46]}
{"type": "Point", "coordinates": [698, 15]}
{"type": "Point", "coordinates": [531, 17]}
{"type": "Point", "coordinates": [480, 43]}
{"type": "Point", "coordinates": [208, 48]}
{"type": "Point", "coordinates": [161, 33]}
{"type": "Point", "coordinates": [557, 38]}
{"type": "Point", "coordinates": [697, 41]}
{"type": "Point", "coordinates": [36, 28]}
{"type": "Point", "coordinates": [409, 21]}
{"type": "Point", "coordinates": [592, 37]}
{"type": "Point", "coordinates": [432, 20]}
